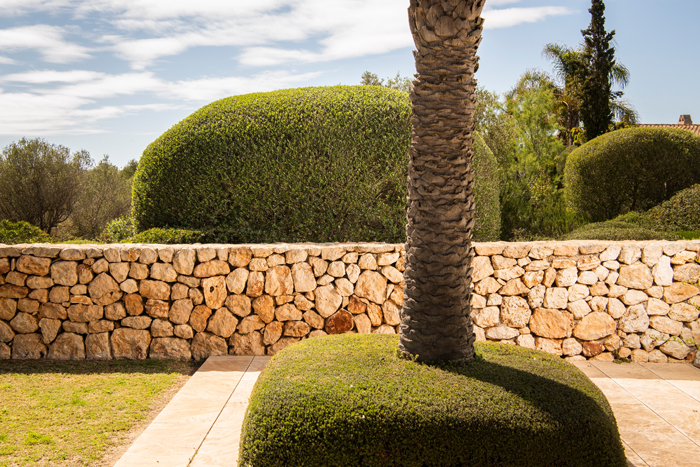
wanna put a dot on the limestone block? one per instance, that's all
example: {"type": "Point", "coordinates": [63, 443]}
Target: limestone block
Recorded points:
{"type": "Point", "coordinates": [199, 318]}
{"type": "Point", "coordinates": [130, 344]}
{"type": "Point", "coordinates": [501, 332]}
{"type": "Point", "coordinates": [531, 279]}
{"type": "Point", "coordinates": [616, 308]}
{"type": "Point", "coordinates": [13, 291]}
{"type": "Point", "coordinates": [578, 292]}
{"type": "Point", "coordinates": [279, 281]}
{"type": "Point", "coordinates": [137, 322]}
{"type": "Point", "coordinates": [683, 312]}
{"type": "Point", "coordinates": [32, 265]}
{"type": "Point", "coordinates": [249, 344]}
{"type": "Point", "coordinates": [556, 297]}
{"type": "Point", "coordinates": [85, 313]}
{"type": "Point", "coordinates": [28, 347]}
{"type": "Point", "coordinates": [161, 328]}
{"type": "Point", "coordinates": [675, 349]}
{"type": "Point", "coordinates": [250, 324]}
{"type": "Point", "coordinates": [634, 297]}
{"type": "Point", "coordinates": [487, 286]}
{"type": "Point", "coordinates": [104, 290]}
{"type": "Point", "coordinates": [100, 326]}
{"type": "Point", "coordinates": [598, 304]}
{"type": "Point", "coordinates": [6, 332]}
{"type": "Point", "coordinates": [205, 345]}
{"type": "Point", "coordinates": [273, 332]}
{"type": "Point", "coordinates": [657, 356]}
{"type": "Point", "coordinates": [486, 317]}
{"type": "Point", "coordinates": [689, 273]}
{"type": "Point", "coordinates": [652, 253]}
{"type": "Point", "coordinates": [571, 347]}
{"type": "Point", "coordinates": [535, 297]}
{"type": "Point", "coordinates": [240, 257]}
{"type": "Point", "coordinates": [328, 299]}
{"type": "Point", "coordinates": [635, 319]}
{"type": "Point", "coordinates": [170, 348]}
{"type": "Point", "coordinates": [666, 325]}
{"type": "Point", "coordinates": [629, 254]}
{"type": "Point", "coordinates": [392, 314]}
{"type": "Point", "coordinates": [288, 312]}
{"type": "Point", "coordinates": [223, 323]}
{"type": "Point", "coordinates": [680, 292]}
{"type": "Point", "coordinates": [580, 308]}
{"type": "Point", "coordinates": [514, 287]}
{"type": "Point", "coordinates": [595, 326]}
{"type": "Point", "coordinates": [501, 262]}
{"type": "Point", "coordinates": [638, 276]}
{"type": "Point", "coordinates": [97, 347]}
{"type": "Point", "coordinates": [163, 272]}
{"type": "Point", "coordinates": [551, 346]}
{"type": "Point", "coordinates": [183, 261]}
{"type": "Point", "coordinates": [592, 349]}
{"type": "Point", "coordinates": [157, 309]}
{"type": "Point", "coordinates": [510, 274]}
{"type": "Point", "coordinates": [370, 285]}
{"type": "Point", "coordinates": [282, 344]}
{"type": "Point", "coordinates": [550, 323]}
{"type": "Point", "coordinates": [663, 272]}
{"type": "Point", "coordinates": [526, 340]}
{"type": "Point", "coordinates": [119, 271]}
{"type": "Point", "coordinates": [515, 312]}
{"type": "Point", "coordinates": [214, 289]}
{"type": "Point", "coordinates": [481, 268]}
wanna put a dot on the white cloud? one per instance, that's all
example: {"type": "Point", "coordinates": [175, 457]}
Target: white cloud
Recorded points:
{"type": "Point", "coordinates": [45, 39]}
{"type": "Point", "coordinates": [509, 17]}
{"type": "Point", "coordinates": [6, 61]}
{"type": "Point", "coordinates": [54, 107]}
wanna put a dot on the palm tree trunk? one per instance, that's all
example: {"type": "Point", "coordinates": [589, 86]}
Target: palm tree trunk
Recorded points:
{"type": "Point", "coordinates": [436, 323]}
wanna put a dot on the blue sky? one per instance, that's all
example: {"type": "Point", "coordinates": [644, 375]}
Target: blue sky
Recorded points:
{"type": "Point", "coordinates": [110, 76]}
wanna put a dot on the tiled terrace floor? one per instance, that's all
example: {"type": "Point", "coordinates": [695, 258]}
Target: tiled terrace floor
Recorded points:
{"type": "Point", "coordinates": [657, 407]}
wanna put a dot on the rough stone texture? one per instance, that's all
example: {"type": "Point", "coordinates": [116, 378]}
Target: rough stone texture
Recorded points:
{"type": "Point", "coordinates": [161, 328]}
{"type": "Point", "coordinates": [683, 312]}
{"type": "Point", "coordinates": [223, 323]}
{"type": "Point", "coordinates": [34, 266]}
{"type": "Point", "coordinates": [133, 304]}
{"type": "Point", "coordinates": [328, 300]}
{"type": "Point", "coordinates": [281, 344]}
{"type": "Point", "coordinates": [170, 348]}
{"type": "Point", "coordinates": [67, 346]}
{"type": "Point", "coordinates": [501, 332]}
{"type": "Point", "coordinates": [65, 273]}
{"type": "Point", "coordinates": [666, 325]}
{"type": "Point", "coordinates": [486, 317]}
{"type": "Point", "coordinates": [97, 347]}
{"type": "Point", "coordinates": [205, 345]}
{"type": "Point", "coordinates": [24, 323]}
{"type": "Point", "coordinates": [163, 272]}
{"type": "Point", "coordinates": [6, 332]}
{"type": "Point", "coordinates": [214, 289]}
{"type": "Point", "coordinates": [553, 324]}
{"type": "Point", "coordinates": [265, 308]}
{"type": "Point", "coordinates": [515, 312]}
{"type": "Point", "coordinates": [28, 347]}
{"type": "Point", "coordinates": [548, 345]}
{"type": "Point", "coordinates": [657, 307]}
{"type": "Point", "coordinates": [199, 318]}
{"type": "Point", "coordinates": [595, 326]}
{"type": "Point", "coordinates": [634, 320]}
{"type": "Point", "coordinates": [49, 329]}
{"type": "Point", "coordinates": [571, 347]}
{"type": "Point", "coordinates": [637, 276]}
{"type": "Point", "coordinates": [680, 292]}
{"type": "Point", "coordinates": [687, 273]}
{"type": "Point", "coordinates": [341, 322]}
{"type": "Point", "coordinates": [157, 309]}
{"type": "Point", "coordinates": [104, 290]}
{"type": "Point", "coordinates": [675, 349]}
{"type": "Point", "coordinates": [249, 344]}
{"type": "Point", "coordinates": [130, 344]}
{"type": "Point", "coordinates": [85, 313]}
{"type": "Point", "coordinates": [372, 286]}
{"type": "Point", "coordinates": [556, 298]}
{"type": "Point", "coordinates": [137, 322]}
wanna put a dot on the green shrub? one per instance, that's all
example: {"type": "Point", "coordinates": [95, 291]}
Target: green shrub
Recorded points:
{"type": "Point", "coordinates": [348, 400]}
{"type": "Point", "coordinates": [171, 237]}
{"type": "Point", "coordinates": [632, 169]}
{"type": "Point", "coordinates": [681, 212]}
{"type": "Point", "coordinates": [487, 225]}
{"type": "Point", "coordinates": [617, 230]}
{"type": "Point", "coordinates": [21, 232]}
{"type": "Point", "coordinates": [119, 230]}
{"type": "Point", "coordinates": [311, 164]}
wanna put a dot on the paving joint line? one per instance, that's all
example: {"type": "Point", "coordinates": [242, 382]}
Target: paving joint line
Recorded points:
{"type": "Point", "coordinates": [654, 411]}
{"type": "Point", "coordinates": [189, 463]}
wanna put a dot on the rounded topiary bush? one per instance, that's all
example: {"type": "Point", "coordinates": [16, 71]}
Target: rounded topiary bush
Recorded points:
{"type": "Point", "coordinates": [349, 400]}
{"type": "Point", "coordinates": [630, 170]}
{"type": "Point", "coordinates": [312, 164]}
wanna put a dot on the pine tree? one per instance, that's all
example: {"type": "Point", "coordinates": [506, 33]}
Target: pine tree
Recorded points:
{"type": "Point", "coordinates": [599, 56]}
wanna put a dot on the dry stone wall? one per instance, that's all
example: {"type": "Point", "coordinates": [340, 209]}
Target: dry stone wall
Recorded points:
{"type": "Point", "coordinates": [575, 299]}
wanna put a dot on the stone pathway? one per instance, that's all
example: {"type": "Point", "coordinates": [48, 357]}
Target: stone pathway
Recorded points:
{"type": "Point", "coordinates": [657, 407]}
{"type": "Point", "coordinates": [201, 425]}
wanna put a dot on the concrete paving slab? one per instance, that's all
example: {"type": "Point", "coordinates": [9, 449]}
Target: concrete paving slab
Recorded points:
{"type": "Point", "coordinates": [174, 436]}
{"type": "Point", "coordinates": [655, 408]}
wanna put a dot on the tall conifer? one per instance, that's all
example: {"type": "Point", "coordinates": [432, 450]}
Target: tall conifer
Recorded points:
{"type": "Point", "coordinates": [599, 56]}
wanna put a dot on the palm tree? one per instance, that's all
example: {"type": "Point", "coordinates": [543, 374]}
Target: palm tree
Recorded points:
{"type": "Point", "coordinates": [436, 323]}
{"type": "Point", "coordinates": [569, 70]}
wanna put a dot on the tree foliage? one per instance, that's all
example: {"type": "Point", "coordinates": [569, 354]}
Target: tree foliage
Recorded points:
{"type": "Point", "coordinates": [596, 88]}
{"type": "Point", "coordinates": [105, 195]}
{"type": "Point", "coordinates": [400, 83]}
{"type": "Point", "coordinates": [40, 182]}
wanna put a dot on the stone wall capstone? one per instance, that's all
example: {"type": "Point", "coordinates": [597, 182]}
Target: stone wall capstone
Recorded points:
{"type": "Point", "coordinates": [580, 300]}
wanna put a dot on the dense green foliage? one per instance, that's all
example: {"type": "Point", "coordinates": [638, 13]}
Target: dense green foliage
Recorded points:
{"type": "Point", "coordinates": [348, 400]}
{"type": "Point", "coordinates": [174, 237]}
{"type": "Point", "coordinates": [487, 226]}
{"type": "Point", "coordinates": [105, 195]}
{"type": "Point", "coordinates": [40, 182]}
{"type": "Point", "coordinates": [630, 170]}
{"type": "Point", "coordinates": [311, 164]}
{"type": "Point", "coordinates": [678, 217]}
{"type": "Point", "coordinates": [21, 232]}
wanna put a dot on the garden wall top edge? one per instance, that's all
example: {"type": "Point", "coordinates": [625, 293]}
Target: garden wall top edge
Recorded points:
{"type": "Point", "coordinates": [131, 251]}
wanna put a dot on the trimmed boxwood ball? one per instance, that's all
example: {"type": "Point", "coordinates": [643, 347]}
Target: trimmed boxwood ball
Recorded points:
{"type": "Point", "coordinates": [349, 400]}
{"type": "Point", "coordinates": [632, 169]}
{"type": "Point", "coordinates": [325, 164]}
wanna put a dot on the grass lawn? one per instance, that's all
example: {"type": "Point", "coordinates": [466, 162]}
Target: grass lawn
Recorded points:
{"type": "Point", "coordinates": [75, 413]}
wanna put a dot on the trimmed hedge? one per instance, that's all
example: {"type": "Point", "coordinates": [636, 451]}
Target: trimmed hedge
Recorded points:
{"type": "Point", "coordinates": [616, 230]}
{"type": "Point", "coordinates": [632, 169]}
{"type": "Point", "coordinates": [325, 164]}
{"type": "Point", "coordinates": [349, 400]}
{"type": "Point", "coordinates": [487, 226]}
{"type": "Point", "coordinates": [21, 232]}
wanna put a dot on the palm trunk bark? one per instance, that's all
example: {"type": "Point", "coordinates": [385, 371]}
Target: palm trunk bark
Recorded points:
{"type": "Point", "coordinates": [436, 323]}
